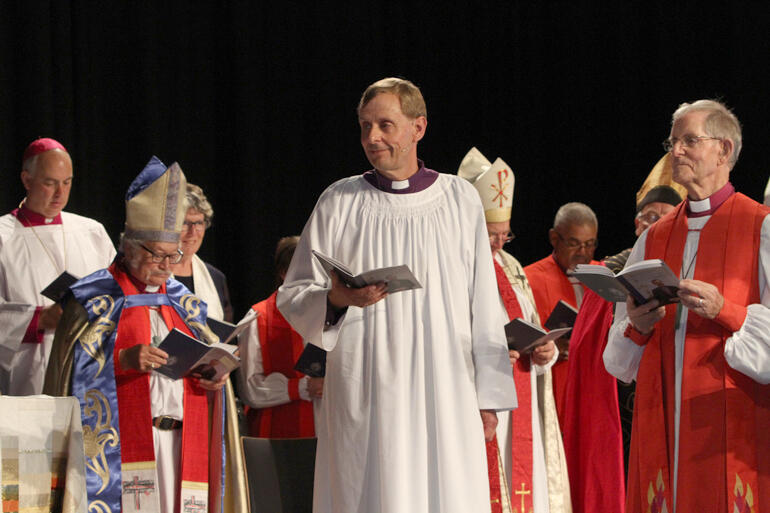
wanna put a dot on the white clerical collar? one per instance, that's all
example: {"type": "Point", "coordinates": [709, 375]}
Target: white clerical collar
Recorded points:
{"type": "Point", "coordinates": [700, 205]}
{"type": "Point", "coordinates": [399, 184]}
{"type": "Point", "coordinates": [151, 289]}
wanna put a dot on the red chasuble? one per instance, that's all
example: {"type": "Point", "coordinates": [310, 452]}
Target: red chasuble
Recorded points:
{"type": "Point", "coordinates": [281, 347]}
{"type": "Point", "coordinates": [724, 433]}
{"type": "Point", "coordinates": [594, 442]}
{"type": "Point", "coordinates": [550, 285]}
{"type": "Point", "coordinates": [133, 391]}
{"type": "Point", "coordinates": [521, 417]}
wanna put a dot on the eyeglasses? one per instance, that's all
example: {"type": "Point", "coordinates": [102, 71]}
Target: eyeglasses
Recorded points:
{"type": "Point", "coordinates": [690, 141]}
{"type": "Point", "coordinates": [650, 217]}
{"type": "Point", "coordinates": [576, 244]}
{"type": "Point", "coordinates": [195, 225]}
{"type": "Point", "coordinates": [173, 258]}
{"type": "Point", "coordinates": [505, 237]}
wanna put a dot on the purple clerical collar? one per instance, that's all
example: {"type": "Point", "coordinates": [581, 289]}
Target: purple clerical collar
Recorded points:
{"type": "Point", "coordinates": [419, 181]}
{"type": "Point", "coordinates": [29, 218]}
{"type": "Point", "coordinates": [708, 206]}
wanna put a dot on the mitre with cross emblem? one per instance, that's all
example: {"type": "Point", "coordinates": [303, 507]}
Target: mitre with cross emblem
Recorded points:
{"type": "Point", "coordinates": [493, 181]}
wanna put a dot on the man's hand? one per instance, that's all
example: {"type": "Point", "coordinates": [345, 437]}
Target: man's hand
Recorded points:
{"type": "Point", "coordinates": [142, 358]}
{"type": "Point", "coordinates": [49, 317]}
{"type": "Point", "coordinates": [644, 317]}
{"type": "Point", "coordinates": [700, 297]}
{"type": "Point", "coordinates": [213, 386]}
{"type": "Point", "coordinates": [315, 387]}
{"type": "Point", "coordinates": [562, 344]}
{"type": "Point", "coordinates": [342, 296]}
{"type": "Point", "coordinates": [543, 354]}
{"type": "Point", "coordinates": [513, 355]}
{"type": "Point", "coordinates": [489, 421]}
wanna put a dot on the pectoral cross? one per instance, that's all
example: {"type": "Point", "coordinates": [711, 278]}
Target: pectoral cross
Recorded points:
{"type": "Point", "coordinates": [522, 492]}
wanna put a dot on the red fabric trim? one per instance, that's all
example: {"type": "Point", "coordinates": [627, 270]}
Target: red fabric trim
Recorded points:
{"type": "Point", "coordinates": [28, 218]}
{"type": "Point", "coordinates": [281, 347]}
{"type": "Point", "coordinates": [725, 416]}
{"type": "Point", "coordinates": [731, 316]}
{"type": "Point", "coordinates": [636, 336]}
{"type": "Point", "coordinates": [33, 335]}
{"type": "Point", "coordinates": [495, 491]}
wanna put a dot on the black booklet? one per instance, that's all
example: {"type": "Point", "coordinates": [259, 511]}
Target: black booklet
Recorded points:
{"type": "Point", "coordinates": [227, 331]}
{"type": "Point", "coordinates": [188, 355]}
{"type": "Point", "coordinates": [312, 362]}
{"type": "Point", "coordinates": [397, 278]}
{"type": "Point", "coordinates": [563, 315]}
{"type": "Point", "coordinates": [524, 337]}
{"type": "Point", "coordinates": [56, 290]}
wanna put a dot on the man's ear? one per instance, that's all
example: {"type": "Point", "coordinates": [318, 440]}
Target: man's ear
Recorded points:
{"type": "Point", "coordinates": [420, 125]}
{"type": "Point", "coordinates": [727, 149]}
{"type": "Point", "coordinates": [553, 237]}
{"type": "Point", "coordinates": [26, 178]}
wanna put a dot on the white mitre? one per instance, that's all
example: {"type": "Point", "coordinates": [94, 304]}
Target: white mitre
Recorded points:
{"type": "Point", "coordinates": [494, 183]}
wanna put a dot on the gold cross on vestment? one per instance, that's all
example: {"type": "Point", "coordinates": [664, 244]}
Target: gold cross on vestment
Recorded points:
{"type": "Point", "coordinates": [522, 492]}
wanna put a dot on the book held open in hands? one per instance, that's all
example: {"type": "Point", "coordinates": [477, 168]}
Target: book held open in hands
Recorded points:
{"type": "Point", "coordinates": [397, 278]}
{"type": "Point", "coordinates": [645, 280]}
{"type": "Point", "coordinates": [188, 355]}
{"type": "Point", "coordinates": [227, 331]}
{"type": "Point", "coordinates": [524, 336]}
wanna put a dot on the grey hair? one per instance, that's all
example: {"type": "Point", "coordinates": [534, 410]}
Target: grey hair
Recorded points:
{"type": "Point", "coordinates": [30, 165]}
{"type": "Point", "coordinates": [574, 213]}
{"type": "Point", "coordinates": [197, 200]}
{"type": "Point", "coordinates": [720, 123]}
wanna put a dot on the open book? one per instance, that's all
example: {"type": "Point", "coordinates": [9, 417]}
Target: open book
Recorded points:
{"type": "Point", "coordinates": [227, 331]}
{"type": "Point", "coordinates": [397, 278]}
{"type": "Point", "coordinates": [524, 337]}
{"type": "Point", "coordinates": [563, 315]}
{"type": "Point", "coordinates": [645, 280]}
{"type": "Point", "coordinates": [188, 355]}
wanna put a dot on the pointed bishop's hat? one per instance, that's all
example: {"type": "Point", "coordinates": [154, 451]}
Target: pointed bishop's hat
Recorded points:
{"type": "Point", "coordinates": [660, 186]}
{"type": "Point", "coordinates": [494, 183]}
{"type": "Point", "coordinates": [767, 193]}
{"type": "Point", "coordinates": [155, 203]}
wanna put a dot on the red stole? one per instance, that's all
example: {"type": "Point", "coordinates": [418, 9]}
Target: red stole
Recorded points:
{"type": "Point", "coordinates": [133, 391]}
{"type": "Point", "coordinates": [724, 431]}
{"type": "Point", "coordinates": [593, 444]}
{"type": "Point", "coordinates": [549, 285]}
{"type": "Point", "coordinates": [521, 417]}
{"type": "Point", "coordinates": [281, 346]}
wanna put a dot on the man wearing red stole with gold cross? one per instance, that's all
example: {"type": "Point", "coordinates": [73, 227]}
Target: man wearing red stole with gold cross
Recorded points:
{"type": "Point", "coordinates": [529, 438]}
{"type": "Point", "coordinates": [701, 424]}
{"type": "Point", "coordinates": [151, 444]}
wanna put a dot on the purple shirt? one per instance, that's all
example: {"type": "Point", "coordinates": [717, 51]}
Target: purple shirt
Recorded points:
{"type": "Point", "coordinates": [419, 181]}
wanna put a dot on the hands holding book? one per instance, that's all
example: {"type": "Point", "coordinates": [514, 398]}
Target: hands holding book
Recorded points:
{"type": "Point", "coordinates": [700, 297]}
{"type": "Point", "coordinates": [142, 358]}
{"type": "Point", "coordinates": [341, 296]}
{"type": "Point", "coordinates": [541, 355]}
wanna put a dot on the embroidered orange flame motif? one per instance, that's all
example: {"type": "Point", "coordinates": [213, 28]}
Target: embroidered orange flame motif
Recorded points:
{"type": "Point", "coordinates": [502, 179]}
{"type": "Point", "coordinates": [744, 499]}
{"type": "Point", "coordinates": [656, 498]}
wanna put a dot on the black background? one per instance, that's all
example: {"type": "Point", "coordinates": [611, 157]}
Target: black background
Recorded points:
{"type": "Point", "coordinates": [256, 101]}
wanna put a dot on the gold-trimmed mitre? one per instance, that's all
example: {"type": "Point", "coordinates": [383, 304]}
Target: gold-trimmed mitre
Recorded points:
{"type": "Point", "coordinates": [660, 185]}
{"type": "Point", "coordinates": [494, 183]}
{"type": "Point", "coordinates": [155, 203]}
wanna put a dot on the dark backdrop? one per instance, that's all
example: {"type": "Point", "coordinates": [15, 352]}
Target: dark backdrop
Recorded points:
{"type": "Point", "coordinates": [256, 101]}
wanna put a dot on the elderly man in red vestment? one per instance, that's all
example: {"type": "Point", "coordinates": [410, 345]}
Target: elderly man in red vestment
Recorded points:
{"type": "Point", "coordinates": [701, 431]}
{"type": "Point", "coordinates": [573, 238]}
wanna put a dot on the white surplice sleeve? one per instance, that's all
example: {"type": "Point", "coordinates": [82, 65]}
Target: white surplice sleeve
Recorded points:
{"type": "Point", "coordinates": [256, 389]}
{"type": "Point", "coordinates": [494, 377]}
{"type": "Point", "coordinates": [748, 349]}
{"type": "Point", "coordinates": [622, 355]}
{"type": "Point", "coordinates": [302, 297]}
{"type": "Point", "coordinates": [14, 320]}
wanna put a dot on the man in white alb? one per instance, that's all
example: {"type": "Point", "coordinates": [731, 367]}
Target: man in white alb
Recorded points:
{"type": "Point", "coordinates": [413, 379]}
{"type": "Point", "coordinates": [37, 243]}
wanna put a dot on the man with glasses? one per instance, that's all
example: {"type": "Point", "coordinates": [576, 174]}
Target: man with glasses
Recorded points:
{"type": "Point", "coordinates": [150, 449]}
{"type": "Point", "coordinates": [38, 242]}
{"type": "Point", "coordinates": [573, 238]}
{"type": "Point", "coordinates": [528, 438]}
{"type": "Point", "coordinates": [701, 429]}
